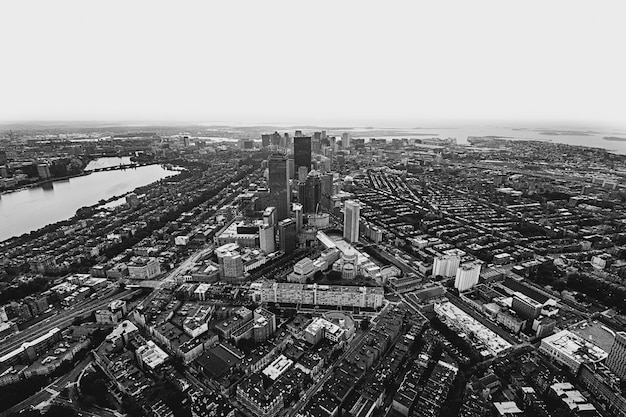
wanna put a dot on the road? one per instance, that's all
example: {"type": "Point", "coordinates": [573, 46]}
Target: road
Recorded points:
{"type": "Point", "coordinates": [177, 272]}
{"type": "Point", "coordinates": [62, 320]}
{"type": "Point", "coordinates": [329, 372]}
{"type": "Point", "coordinates": [51, 391]}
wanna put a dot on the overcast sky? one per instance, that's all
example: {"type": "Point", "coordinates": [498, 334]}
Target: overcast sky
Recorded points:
{"type": "Point", "coordinates": [356, 62]}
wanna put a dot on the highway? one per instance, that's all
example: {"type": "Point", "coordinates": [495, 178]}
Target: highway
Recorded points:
{"type": "Point", "coordinates": [51, 391]}
{"type": "Point", "coordinates": [62, 320]}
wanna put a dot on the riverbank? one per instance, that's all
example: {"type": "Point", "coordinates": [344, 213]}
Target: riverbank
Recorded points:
{"type": "Point", "coordinates": [33, 208]}
{"type": "Point", "coordinates": [45, 181]}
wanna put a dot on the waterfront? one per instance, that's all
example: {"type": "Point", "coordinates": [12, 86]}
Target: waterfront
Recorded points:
{"type": "Point", "coordinates": [30, 209]}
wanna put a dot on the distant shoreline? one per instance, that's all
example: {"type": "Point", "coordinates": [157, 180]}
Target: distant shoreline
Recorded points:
{"type": "Point", "coordinates": [46, 181]}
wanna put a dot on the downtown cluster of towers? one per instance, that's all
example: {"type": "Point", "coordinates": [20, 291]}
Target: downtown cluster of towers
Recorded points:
{"type": "Point", "coordinates": [314, 178]}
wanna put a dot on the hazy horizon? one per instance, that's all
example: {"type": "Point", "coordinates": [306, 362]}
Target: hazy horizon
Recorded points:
{"type": "Point", "coordinates": [352, 63]}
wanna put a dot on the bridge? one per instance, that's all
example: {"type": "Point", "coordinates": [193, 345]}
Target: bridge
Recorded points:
{"type": "Point", "coordinates": [122, 166]}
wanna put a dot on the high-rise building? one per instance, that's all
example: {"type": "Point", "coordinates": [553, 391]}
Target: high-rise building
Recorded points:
{"type": "Point", "coordinates": [279, 185]}
{"type": "Point", "coordinates": [265, 140]}
{"type": "Point", "coordinates": [302, 173]}
{"type": "Point", "coordinates": [467, 276]}
{"type": "Point", "coordinates": [327, 190]}
{"type": "Point", "coordinates": [446, 265]}
{"type": "Point", "coordinates": [291, 168]}
{"type": "Point", "coordinates": [351, 218]}
{"type": "Point", "coordinates": [297, 212]}
{"type": "Point", "coordinates": [345, 140]}
{"type": "Point", "coordinates": [287, 235]}
{"type": "Point", "coordinates": [617, 357]}
{"type": "Point", "coordinates": [316, 142]}
{"type": "Point", "coordinates": [302, 152]}
{"type": "Point", "coordinates": [266, 238]}
{"type": "Point", "coordinates": [269, 216]}
{"type": "Point", "coordinates": [310, 192]}
{"type": "Point", "coordinates": [3, 157]}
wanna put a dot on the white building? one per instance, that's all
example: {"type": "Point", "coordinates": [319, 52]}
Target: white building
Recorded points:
{"type": "Point", "coordinates": [266, 238]}
{"type": "Point", "coordinates": [446, 264]}
{"type": "Point", "coordinates": [467, 276]}
{"type": "Point", "coordinates": [151, 355]}
{"type": "Point", "coordinates": [143, 268]}
{"type": "Point", "coordinates": [571, 350]}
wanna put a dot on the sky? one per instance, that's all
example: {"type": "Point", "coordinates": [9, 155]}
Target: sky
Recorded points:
{"type": "Point", "coordinates": [360, 62]}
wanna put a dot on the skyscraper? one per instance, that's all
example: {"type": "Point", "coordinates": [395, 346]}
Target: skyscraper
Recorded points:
{"type": "Point", "coordinates": [287, 235]}
{"type": "Point", "coordinates": [279, 185]}
{"type": "Point", "coordinates": [351, 217]}
{"type": "Point", "coordinates": [617, 357]}
{"type": "Point", "coordinates": [266, 238]}
{"type": "Point", "coordinates": [302, 152]}
{"type": "Point", "coordinates": [327, 190]}
{"type": "Point", "coordinates": [297, 212]}
{"type": "Point", "coordinates": [310, 192]}
{"type": "Point", "coordinates": [345, 140]}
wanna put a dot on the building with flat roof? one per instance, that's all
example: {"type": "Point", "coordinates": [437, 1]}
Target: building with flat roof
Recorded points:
{"type": "Point", "coordinates": [278, 366]}
{"type": "Point", "coordinates": [29, 351]}
{"type": "Point", "coordinates": [467, 275]}
{"type": "Point", "coordinates": [571, 350]}
{"type": "Point", "coordinates": [617, 356]}
{"type": "Point", "coordinates": [151, 356]}
{"type": "Point", "coordinates": [314, 294]}
{"type": "Point", "coordinates": [492, 343]}
{"type": "Point", "coordinates": [143, 268]}
{"type": "Point", "coordinates": [446, 264]}
{"type": "Point", "coordinates": [525, 306]}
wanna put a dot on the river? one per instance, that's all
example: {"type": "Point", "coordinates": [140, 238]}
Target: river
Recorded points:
{"type": "Point", "coordinates": [30, 209]}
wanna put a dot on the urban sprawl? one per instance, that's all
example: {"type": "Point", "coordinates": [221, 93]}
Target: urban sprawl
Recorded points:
{"type": "Point", "coordinates": [317, 274]}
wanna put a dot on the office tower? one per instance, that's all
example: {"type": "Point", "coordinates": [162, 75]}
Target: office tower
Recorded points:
{"type": "Point", "coordinates": [351, 217]}
{"type": "Point", "coordinates": [298, 134]}
{"type": "Point", "coordinates": [345, 140]}
{"type": "Point", "coordinates": [265, 141]}
{"type": "Point", "coordinates": [266, 238]}
{"type": "Point", "coordinates": [288, 141]}
{"type": "Point", "coordinates": [269, 216]}
{"type": "Point", "coordinates": [287, 235]}
{"type": "Point", "coordinates": [302, 152]}
{"type": "Point", "coordinates": [279, 185]}
{"type": "Point", "coordinates": [302, 173]}
{"type": "Point", "coordinates": [310, 192]}
{"type": "Point", "coordinates": [291, 168]}
{"type": "Point", "coordinates": [297, 212]}
{"type": "Point", "coordinates": [616, 360]}
{"type": "Point", "coordinates": [186, 141]}
{"type": "Point", "coordinates": [467, 276]}
{"type": "Point", "coordinates": [316, 142]}
{"type": "Point", "coordinates": [327, 190]}
{"type": "Point", "coordinates": [3, 157]}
